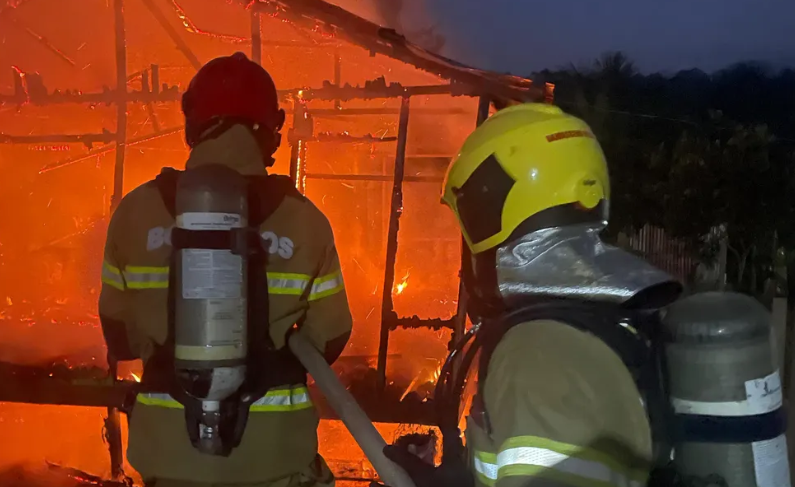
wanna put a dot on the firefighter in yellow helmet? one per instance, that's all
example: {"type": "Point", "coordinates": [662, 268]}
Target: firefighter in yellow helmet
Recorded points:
{"type": "Point", "coordinates": [563, 370]}
{"type": "Point", "coordinates": [233, 119]}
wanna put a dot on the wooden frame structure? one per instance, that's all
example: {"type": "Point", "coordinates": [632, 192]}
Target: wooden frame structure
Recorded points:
{"type": "Point", "coordinates": [311, 14]}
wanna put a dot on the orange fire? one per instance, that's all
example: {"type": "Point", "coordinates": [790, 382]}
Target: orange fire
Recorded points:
{"type": "Point", "coordinates": [52, 245]}
{"type": "Point", "coordinates": [401, 286]}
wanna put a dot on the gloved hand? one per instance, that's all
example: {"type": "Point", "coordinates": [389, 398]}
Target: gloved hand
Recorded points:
{"type": "Point", "coordinates": [423, 474]}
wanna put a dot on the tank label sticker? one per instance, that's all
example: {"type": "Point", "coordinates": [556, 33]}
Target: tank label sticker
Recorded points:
{"type": "Point", "coordinates": [770, 462]}
{"type": "Point", "coordinates": [211, 274]}
{"type": "Point", "coordinates": [230, 316]}
{"type": "Point", "coordinates": [762, 396]}
{"type": "Point", "coordinates": [209, 221]}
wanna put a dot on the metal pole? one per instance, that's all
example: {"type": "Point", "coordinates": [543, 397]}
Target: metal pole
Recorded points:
{"type": "Point", "coordinates": [256, 37]}
{"type": "Point", "coordinates": [112, 423]}
{"type": "Point", "coordinates": [396, 209]}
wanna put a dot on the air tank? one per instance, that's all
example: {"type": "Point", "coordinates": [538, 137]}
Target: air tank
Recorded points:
{"type": "Point", "coordinates": [725, 390]}
{"type": "Point", "coordinates": [210, 296]}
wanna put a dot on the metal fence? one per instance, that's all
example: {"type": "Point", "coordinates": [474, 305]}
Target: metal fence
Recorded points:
{"type": "Point", "coordinates": [665, 252]}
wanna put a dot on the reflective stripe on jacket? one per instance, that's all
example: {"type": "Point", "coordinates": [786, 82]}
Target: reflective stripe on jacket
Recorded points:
{"type": "Point", "coordinates": [305, 287]}
{"type": "Point", "coordinates": [284, 283]}
{"type": "Point", "coordinates": [293, 398]}
{"type": "Point", "coordinates": [562, 407]}
{"type": "Point", "coordinates": [530, 456]}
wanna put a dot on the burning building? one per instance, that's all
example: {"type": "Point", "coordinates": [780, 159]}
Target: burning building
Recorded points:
{"type": "Point", "coordinates": [373, 121]}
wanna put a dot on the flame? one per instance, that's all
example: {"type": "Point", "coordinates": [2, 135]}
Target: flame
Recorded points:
{"type": "Point", "coordinates": [402, 284]}
{"type": "Point", "coordinates": [51, 309]}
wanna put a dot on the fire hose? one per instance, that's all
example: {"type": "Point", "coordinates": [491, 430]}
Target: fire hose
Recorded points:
{"type": "Point", "coordinates": [349, 411]}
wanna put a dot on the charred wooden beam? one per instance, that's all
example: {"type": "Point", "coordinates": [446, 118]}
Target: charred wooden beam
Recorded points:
{"type": "Point", "coordinates": [256, 37]}
{"type": "Point", "coordinates": [104, 150]}
{"type": "Point", "coordinates": [415, 322]}
{"type": "Point", "coordinates": [396, 209]}
{"type": "Point", "coordinates": [112, 422]}
{"type": "Point", "coordinates": [170, 94]}
{"type": "Point", "coordinates": [336, 22]}
{"type": "Point", "coordinates": [348, 112]}
{"type": "Point", "coordinates": [173, 34]}
{"type": "Point", "coordinates": [88, 140]}
{"type": "Point", "coordinates": [373, 177]}
{"type": "Point", "coordinates": [65, 387]}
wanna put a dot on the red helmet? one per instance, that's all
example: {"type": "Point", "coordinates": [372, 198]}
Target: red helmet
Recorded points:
{"type": "Point", "coordinates": [230, 90]}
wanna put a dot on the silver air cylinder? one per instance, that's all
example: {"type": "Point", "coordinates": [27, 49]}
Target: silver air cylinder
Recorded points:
{"type": "Point", "coordinates": [726, 392]}
{"type": "Point", "coordinates": [210, 295]}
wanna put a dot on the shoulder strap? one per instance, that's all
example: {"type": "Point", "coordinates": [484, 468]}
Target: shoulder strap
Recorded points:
{"type": "Point", "coordinates": [266, 193]}
{"type": "Point", "coordinates": [639, 348]}
{"type": "Point", "coordinates": [166, 183]}
{"type": "Point", "coordinates": [158, 375]}
{"type": "Point", "coordinates": [601, 320]}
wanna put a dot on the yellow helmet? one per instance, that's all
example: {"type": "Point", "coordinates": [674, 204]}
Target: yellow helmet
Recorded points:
{"type": "Point", "coordinates": [527, 167]}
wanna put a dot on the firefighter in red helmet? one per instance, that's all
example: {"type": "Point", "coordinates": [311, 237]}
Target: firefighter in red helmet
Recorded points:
{"type": "Point", "coordinates": [232, 118]}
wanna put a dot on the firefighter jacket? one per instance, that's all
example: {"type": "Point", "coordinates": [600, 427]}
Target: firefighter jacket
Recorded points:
{"type": "Point", "coordinates": [305, 288]}
{"type": "Point", "coordinates": [560, 407]}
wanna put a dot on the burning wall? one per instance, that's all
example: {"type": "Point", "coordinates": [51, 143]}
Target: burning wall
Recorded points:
{"type": "Point", "coordinates": [57, 195]}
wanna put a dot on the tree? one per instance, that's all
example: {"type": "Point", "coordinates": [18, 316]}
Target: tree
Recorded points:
{"type": "Point", "coordinates": [730, 177]}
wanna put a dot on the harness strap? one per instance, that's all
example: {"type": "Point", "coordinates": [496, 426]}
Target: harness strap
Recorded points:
{"type": "Point", "coordinates": [266, 367]}
{"type": "Point", "coordinates": [639, 350]}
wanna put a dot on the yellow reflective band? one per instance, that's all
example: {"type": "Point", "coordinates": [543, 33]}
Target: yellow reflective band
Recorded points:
{"type": "Point", "coordinates": [276, 400]}
{"type": "Point", "coordinates": [287, 283]}
{"type": "Point", "coordinates": [530, 456]}
{"type": "Point", "coordinates": [112, 276]}
{"type": "Point", "coordinates": [326, 286]}
{"type": "Point", "coordinates": [141, 277]}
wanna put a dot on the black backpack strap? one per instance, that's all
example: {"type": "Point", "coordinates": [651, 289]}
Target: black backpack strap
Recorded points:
{"type": "Point", "coordinates": [640, 349]}
{"type": "Point", "coordinates": [601, 320]}
{"type": "Point", "coordinates": [166, 183]}
{"type": "Point", "coordinates": [158, 373]}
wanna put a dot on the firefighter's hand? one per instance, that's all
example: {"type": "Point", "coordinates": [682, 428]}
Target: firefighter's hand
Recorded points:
{"type": "Point", "coordinates": [427, 475]}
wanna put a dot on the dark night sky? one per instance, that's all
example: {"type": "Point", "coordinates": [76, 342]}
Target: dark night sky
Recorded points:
{"type": "Point", "coordinates": [522, 36]}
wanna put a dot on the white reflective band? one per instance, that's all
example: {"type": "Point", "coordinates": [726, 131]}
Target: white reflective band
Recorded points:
{"type": "Point", "coordinates": [542, 457]}
{"type": "Point", "coordinates": [287, 283]}
{"type": "Point", "coordinates": [762, 395]}
{"type": "Point", "coordinates": [146, 277]}
{"type": "Point", "coordinates": [326, 286]}
{"type": "Point", "coordinates": [488, 470]}
{"type": "Point", "coordinates": [283, 400]}
{"type": "Point", "coordinates": [725, 409]}
{"type": "Point", "coordinates": [112, 276]}
{"type": "Point", "coordinates": [294, 399]}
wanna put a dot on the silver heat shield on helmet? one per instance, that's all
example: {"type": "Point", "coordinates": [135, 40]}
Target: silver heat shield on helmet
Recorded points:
{"type": "Point", "coordinates": [573, 262]}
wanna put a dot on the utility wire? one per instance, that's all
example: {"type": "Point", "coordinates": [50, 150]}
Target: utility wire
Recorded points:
{"type": "Point", "coordinates": [653, 116]}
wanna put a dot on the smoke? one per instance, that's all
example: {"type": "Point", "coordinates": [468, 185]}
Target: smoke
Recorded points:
{"type": "Point", "coordinates": [410, 18]}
